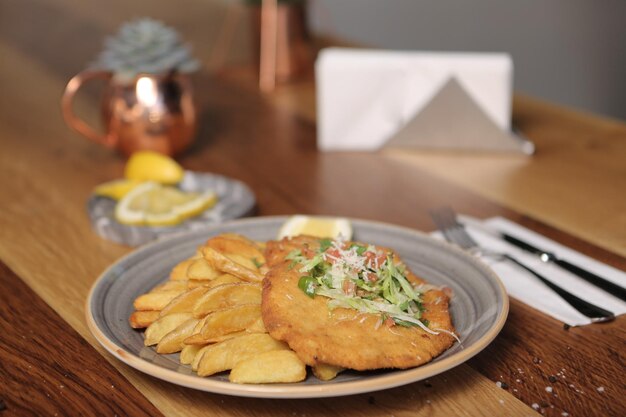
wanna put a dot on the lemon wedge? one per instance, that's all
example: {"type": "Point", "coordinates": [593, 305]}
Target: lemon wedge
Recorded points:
{"type": "Point", "coordinates": [153, 166]}
{"type": "Point", "coordinates": [330, 227]}
{"type": "Point", "coordinates": [154, 204]}
{"type": "Point", "coordinates": [116, 189]}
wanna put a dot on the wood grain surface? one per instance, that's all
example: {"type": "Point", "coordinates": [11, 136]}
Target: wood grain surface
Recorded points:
{"type": "Point", "coordinates": [73, 381]}
{"type": "Point", "coordinates": [47, 173]}
{"type": "Point", "coordinates": [575, 181]}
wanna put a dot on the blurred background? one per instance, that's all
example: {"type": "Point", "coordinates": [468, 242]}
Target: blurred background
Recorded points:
{"type": "Point", "coordinates": [571, 52]}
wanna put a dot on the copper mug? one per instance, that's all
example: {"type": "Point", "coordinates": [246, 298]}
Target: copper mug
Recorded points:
{"type": "Point", "coordinates": [153, 112]}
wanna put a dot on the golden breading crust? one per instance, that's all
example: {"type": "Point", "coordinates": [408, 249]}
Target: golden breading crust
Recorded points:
{"type": "Point", "coordinates": [345, 337]}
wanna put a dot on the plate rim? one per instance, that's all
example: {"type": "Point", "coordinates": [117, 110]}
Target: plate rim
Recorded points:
{"type": "Point", "coordinates": [291, 391]}
{"type": "Point", "coordinates": [163, 232]}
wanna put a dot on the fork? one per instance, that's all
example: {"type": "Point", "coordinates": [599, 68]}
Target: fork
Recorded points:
{"type": "Point", "coordinates": [446, 221]}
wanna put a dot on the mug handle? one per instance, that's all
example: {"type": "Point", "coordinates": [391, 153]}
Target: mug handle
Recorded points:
{"type": "Point", "coordinates": [74, 121]}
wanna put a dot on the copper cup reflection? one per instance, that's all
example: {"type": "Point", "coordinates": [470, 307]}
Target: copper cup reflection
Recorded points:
{"type": "Point", "coordinates": [152, 113]}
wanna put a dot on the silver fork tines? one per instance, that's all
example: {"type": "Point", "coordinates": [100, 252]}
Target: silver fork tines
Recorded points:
{"type": "Point", "coordinates": [446, 221]}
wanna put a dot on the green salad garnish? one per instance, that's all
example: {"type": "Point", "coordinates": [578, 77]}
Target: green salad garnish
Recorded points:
{"type": "Point", "coordinates": [361, 277]}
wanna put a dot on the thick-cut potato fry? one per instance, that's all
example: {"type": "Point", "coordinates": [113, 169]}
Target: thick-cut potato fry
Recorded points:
{"type": "Point", "coordinates": [231, 319]}
{"type": "Point", "coordinates": [143, 319]}
{"type": "Point", "coordinates": [257, 327]}
{"type": "Point", "coordinates": [225, 321]}
{"type": "Point", "coordinates": [223, 279]}
{"type": "Point", "coordinates": [275, 366]}
{"type": "Point", "coordinates": [188, 353]}
{"type": "Point", "coordinates": [210, 312]}
{"type": "Point", "coordinates": [230, 243]}
{"type": "Point", "coordinates": [227, 295]}
{"type": "Point", "coordinates": [179, 272]}
{"type": "Point", "coordinates": [195, 283]}
{"type": "Point", "coordinates": [225, 355]}
{"type": "Point", "coordinates": [326, 372]}
{"type": "Point", "coordinates": [199, 326]}
{"type": "Point", "coordinates": [173, 341]}
{"type": "Point", "coordinates": [197, 339]}
{"type": "Point", "coordinates": [155, 300]}
{"type": "Point", "coordinates": [180, 285]}
{"type": "Point", "coordinates": [201, 269]}
{"type": "Point", "coordinates": [196, 360]}
{"type": "Point", "coordinates": [227, 265]}
{"type": "Point", "coordinates": [243, 261]}
{"type": "Point", "coordinates": [157, 330]}
{"type": "Point", "coordinates": [185, 302]}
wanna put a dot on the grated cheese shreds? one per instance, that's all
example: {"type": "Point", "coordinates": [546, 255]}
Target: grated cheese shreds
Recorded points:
{"type": "Point", "coordinates": [363, 278]}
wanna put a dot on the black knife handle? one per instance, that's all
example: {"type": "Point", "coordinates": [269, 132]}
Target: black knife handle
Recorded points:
{"type": "Point", "coordinates": [521, 244]}
{"type": "Point", "coordinates": [590, 310]}
{"type": "Point", "coordinates": [608, 286]}
{"type": "Point", "coordinates": [599, 282]}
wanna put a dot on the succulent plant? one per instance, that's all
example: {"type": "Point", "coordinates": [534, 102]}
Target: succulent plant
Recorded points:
{"type": "Point", "coordinates": [144, 46]}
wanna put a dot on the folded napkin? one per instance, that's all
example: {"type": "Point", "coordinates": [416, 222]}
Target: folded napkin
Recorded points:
{"type": "Point", "coordinates": [528, 289]}
{"type": "Point", "coordinates": [369, 99]}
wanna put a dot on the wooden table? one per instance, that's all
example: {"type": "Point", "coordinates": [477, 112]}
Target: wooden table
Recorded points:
{"type": "Point", "coordinates": [571, 191]}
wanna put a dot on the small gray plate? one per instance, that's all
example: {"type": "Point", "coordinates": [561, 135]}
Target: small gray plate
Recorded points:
{"type": "Point", "coordinates": [235, 200]}
{"type": "Point", "coordinates": [479, 307]}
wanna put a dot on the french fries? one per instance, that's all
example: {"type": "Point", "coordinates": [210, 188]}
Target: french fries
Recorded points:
{"type": "Point", "coordinates": [188, 353]}
{"type": "Point", "coordinates": [143, 319]}
{"type": "Point", "coordinates": [157, 330]}
{"type": "Point", "coordinates": [200, 269]}
{"type": "Point", "coordinates": [223, 279]}
{"type": "Point", "coordinates": [210, 311]}
{"type": "Point", "coordinates": [227, 295]}
{"type": "Point", "coordinates": [274, 366]}
{"type": "Point", "coordinates": [225, 355]}
{"type": "Point", "coordinates": [227, 265]}
{"type": "Point", "coordinates": [225, 321]}
{"type": "Point", "coordinates": [232, 244]}
{"type": "Point", "coordinates": [185, 302]}
{"type": "Point", "coordinates": [155, 301]}
{"type": "Point", "coordinates": [179, 272]}
{"type": "Point", "coordinates": [174, 340]}
{"type": "Point", "coordinates": [326, 372]}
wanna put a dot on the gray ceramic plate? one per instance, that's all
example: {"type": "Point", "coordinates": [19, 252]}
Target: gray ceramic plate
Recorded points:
{"type": "Point", "coordinates": [479, 307]}
{"type": "Point", "coordinates": [234, 200]}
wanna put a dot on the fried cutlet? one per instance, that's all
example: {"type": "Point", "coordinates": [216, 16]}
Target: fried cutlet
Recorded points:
{"type": "Point", "coordinates": [346, 337]}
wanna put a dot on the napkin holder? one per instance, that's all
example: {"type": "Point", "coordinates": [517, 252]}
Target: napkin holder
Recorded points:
{"type": "Point", "coordinates": [370, 99]}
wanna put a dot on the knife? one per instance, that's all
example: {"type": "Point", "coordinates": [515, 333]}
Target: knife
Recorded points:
{"type": "Point", "coordinates": [549, 257]}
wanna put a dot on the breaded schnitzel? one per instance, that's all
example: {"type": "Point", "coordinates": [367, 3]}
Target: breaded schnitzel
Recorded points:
{"type": "Point", "coordinates": [352, 305]}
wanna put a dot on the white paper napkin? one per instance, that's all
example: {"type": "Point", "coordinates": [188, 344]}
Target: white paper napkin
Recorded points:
{"type": "Point", "coordinates": [365, 96]}
{"type": "Point", "coordinates": [526, 288]}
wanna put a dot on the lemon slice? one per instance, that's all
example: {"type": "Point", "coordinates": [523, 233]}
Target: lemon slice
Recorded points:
{"type": "Point", "coordinates": [331, 227]}
{"type": "Point", "coordinates": [116, 189]}
{"type": "Point", "coordinates": [154, 204]}
{"type": "Point", "coordinates": [153, 166]}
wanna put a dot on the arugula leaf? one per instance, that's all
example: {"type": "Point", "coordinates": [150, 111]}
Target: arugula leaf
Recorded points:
{"type": "Point", "coordinates": [325, 244]}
